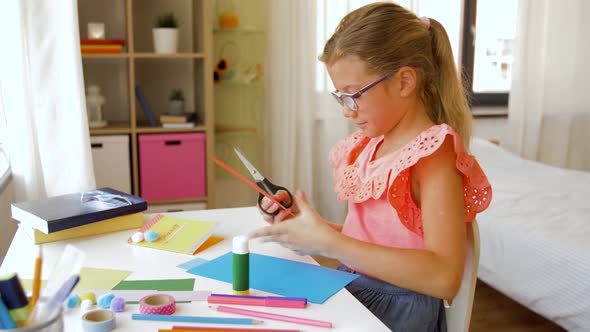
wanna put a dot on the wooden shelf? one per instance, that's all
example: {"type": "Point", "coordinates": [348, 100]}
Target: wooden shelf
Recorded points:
{"type": "Point", "coordinates": [177, 201]}
{"type": "Point", "coordinates": [230, 83]}
{"type": "Point", "coordinates": [114, 128]}
{"type": "Point", "coordinates": [169, 56]}
{"type": "Point", "coordinates": [147, 130]}
{"type": "Point", "coordinates": [243, 30]}
{"type": "Point", "coordinates": [220, 129]}
{"type": "Point", "coordinates": [106, 56]}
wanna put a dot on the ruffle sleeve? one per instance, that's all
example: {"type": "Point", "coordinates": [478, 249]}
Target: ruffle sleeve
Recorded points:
{"type": "Point", "coordinates": [395, 177]}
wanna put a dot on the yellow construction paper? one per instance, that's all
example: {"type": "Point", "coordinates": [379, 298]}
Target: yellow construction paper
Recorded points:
{"type": "Point", "coordinates": [90, 279]}
{"type": "Point", "coordinates": [100, 279]}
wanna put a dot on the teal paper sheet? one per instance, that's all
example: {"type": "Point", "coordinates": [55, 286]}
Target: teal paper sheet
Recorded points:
{"type": "Point", "coordinates": [192, 263]}
{"type": "Point", "coordinates": [281, 276]}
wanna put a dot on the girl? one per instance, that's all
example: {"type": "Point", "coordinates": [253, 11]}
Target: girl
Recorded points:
{"type": "Point", "coordinates": [410, 183]}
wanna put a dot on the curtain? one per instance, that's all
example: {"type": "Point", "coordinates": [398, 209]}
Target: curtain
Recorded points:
{"type": "Point", "coordinates": [291, 96]}
{"type": "Point", "coordinates": [42, 87]}
{"type": "Point", "coordinates": [549, 107]}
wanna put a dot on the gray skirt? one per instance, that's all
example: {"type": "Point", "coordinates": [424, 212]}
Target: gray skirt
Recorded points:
{"type": "Point", "coordinates": [400, 309]}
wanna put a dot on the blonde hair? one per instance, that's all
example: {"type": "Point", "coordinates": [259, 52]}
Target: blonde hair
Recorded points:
{"type": "Point", "coordinates": [387, 37]}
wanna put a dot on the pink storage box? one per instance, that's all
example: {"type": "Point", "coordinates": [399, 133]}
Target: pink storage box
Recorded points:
{"type": "Point", "coordinates": [172, 166]}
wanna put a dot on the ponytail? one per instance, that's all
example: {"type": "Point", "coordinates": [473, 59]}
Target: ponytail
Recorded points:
{"type": "Point", "coordinates": [445, 93]}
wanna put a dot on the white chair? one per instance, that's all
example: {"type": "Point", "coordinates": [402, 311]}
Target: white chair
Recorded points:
{"type": "Point", "coordinates": [459, 313]}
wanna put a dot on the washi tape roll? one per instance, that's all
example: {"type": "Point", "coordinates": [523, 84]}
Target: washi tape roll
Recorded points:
{"type": "Point", "coordinates": [159, 304]}
{"type": "Point", "coordinates": [99, 320]}
{"type": "Point", "coordinates": [14, 297]}
{"type": "Point", "coordinates": [12, 292]}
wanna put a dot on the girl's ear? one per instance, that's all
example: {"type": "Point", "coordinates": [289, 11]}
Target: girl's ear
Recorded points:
{"type": "Point", "coordinates": [408, 81]}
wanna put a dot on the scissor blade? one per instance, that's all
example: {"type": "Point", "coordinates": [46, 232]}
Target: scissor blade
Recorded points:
{"type": "Point", "coordinates": [255, 173]}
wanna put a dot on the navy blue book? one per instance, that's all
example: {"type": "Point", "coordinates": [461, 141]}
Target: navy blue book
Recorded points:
{"type": "Point", "coordinates": [72, 210]}
{"type": "Point", "coordinates": [145, 106]}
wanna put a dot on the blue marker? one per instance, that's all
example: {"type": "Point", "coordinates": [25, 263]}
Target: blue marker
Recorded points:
{"type": "Point", "coordinates": [6, 322]}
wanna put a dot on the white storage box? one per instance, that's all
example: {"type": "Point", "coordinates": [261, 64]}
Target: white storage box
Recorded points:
{"type": "Point", "coordinates": [112, 168]}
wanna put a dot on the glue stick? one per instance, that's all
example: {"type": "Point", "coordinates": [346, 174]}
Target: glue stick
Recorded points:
{"type": "Point", "coordinates": [240, 265]}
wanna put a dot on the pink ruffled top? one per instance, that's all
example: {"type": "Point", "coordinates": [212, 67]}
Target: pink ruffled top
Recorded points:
{"type": "Point", "coordinates": [381, 209]}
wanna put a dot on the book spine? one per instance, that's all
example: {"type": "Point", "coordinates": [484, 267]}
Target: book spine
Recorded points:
{"type": "Point", "coordinates": [102, 42]}
{"type": "Point", "coordinates": [66, 223]}
{"type": "Point", "coordinates": [145, 106]}
{"type": "Point", "coordinates": [99, 51]}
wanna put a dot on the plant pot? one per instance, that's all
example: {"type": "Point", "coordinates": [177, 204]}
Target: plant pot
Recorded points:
{"type": "Point", "coordinates": [165, 40]}
{"type": "Point", "coordinates": [177, 107]}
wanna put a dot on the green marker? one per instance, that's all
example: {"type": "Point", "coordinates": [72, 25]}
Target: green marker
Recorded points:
{"type": "Point", "coordinates": [240, 265]}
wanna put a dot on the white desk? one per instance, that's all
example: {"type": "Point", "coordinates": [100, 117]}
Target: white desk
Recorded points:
{"type": "Point", "coordinates": [112, 251]}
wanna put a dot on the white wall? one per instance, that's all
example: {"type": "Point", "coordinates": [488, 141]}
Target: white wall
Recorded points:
{"type": "Point", "coordinates": [7, 225]}
{"type": "Point", "coordinates": [491, 127]}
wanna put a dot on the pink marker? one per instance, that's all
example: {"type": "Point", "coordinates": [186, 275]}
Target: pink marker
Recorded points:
{"type": "Point", "coordinates": [264, 301]}
{"type": "Point", "coordinates": [271, 316]}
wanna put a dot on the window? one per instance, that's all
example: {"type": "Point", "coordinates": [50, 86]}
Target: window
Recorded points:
{"type": "Point", "coordinates": [330, 12]}
{"type": "Point", "coordinates": [489, 30]}
{"type": "Point", "coordinates": [486, 61]}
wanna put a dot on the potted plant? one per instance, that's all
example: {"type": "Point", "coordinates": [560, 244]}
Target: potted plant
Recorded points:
{"type": "Point", "coordinates": [176, 100]}
{"type": "Point", "coordinates": [166, 33]}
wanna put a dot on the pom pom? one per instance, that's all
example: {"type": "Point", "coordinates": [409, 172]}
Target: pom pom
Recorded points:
{"type": "Point", "coordinates": [118, 304]}
{"type": "Point", "coordinates": [73, 301]}
{"type": "Point", "coordinates": [137, 237]}
{"type": "Point", "coordinates": [86, 304]}
{"type": "Point", "coordinates": [88, 296]}
{"type": "Point", "coordinates": [104, 301]}
{"type": "Point", "coordinates": [150, 236]}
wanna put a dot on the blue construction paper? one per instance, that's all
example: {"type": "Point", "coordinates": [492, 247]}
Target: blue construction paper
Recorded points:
{"type": "Point", "coordinates": [192, 263]}
{"type": "Point", "coordinates": [281, 276]}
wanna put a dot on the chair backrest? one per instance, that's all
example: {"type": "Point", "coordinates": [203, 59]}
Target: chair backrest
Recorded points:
{"type": "Point", "coordinates": [459, 313]}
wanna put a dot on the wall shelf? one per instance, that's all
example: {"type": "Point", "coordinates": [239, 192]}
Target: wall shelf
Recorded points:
{"type": "Point", "coordinates": [169, 56]}
{"type": "Point", "coordinates": [106, 56]}
{"type": "Point", "coordinates": [157, 75]}
{"type": "Point", "coordinates": [113, 128]}
{"type": "Point", "coordinates": [147, 130]}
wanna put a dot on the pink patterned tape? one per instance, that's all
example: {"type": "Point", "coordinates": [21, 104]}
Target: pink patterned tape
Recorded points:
{"type": "Point", "coordinates": [158, 304]}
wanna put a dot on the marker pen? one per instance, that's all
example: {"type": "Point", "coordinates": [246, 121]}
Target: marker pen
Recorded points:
{"type": "Point", "coordinates": [240, 265]}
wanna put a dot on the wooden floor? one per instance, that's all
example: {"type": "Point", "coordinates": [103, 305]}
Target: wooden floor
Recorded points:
{"type": "Point", "coordinates": [492, 311]}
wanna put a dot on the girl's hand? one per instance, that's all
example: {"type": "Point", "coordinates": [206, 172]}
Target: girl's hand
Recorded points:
{"type": "Point", "coordinates": [268, 205]}
{"type": "Point", "coordinates": [306, 233]}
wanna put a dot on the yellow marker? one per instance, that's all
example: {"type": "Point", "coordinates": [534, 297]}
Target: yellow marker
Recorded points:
{"type": "Point", "coordinates": [37, 278]}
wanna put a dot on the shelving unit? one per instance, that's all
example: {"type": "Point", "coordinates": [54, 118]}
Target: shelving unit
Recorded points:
{"type": "Point", "coordinates": [156, 74]}
{"type": "Point", "coordinates": [240, 105]}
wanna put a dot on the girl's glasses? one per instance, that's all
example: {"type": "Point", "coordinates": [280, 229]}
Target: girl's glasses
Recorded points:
{"type": "Point", "coordinates": [349, 99]}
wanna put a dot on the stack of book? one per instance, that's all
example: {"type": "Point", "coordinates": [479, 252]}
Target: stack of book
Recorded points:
{"type": "Point", "coordinates": [186, 120]}
{"type": "Point", "coordinates": [79, 214]}
{"type": "Point", "coordinates": [102, 46]}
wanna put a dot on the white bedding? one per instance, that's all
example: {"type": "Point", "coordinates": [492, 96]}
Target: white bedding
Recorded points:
{"type": "Point", "coordinates": [535, 236]}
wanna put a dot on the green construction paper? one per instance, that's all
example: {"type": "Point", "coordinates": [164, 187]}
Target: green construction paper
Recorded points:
{"type": "Point", "coordinates": [161, 285]}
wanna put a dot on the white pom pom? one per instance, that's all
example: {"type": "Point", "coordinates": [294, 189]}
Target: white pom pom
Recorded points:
{"type": "Point", "coordinates": [137, 237]}
{"type": "Point", "coordinates": [86, 304]}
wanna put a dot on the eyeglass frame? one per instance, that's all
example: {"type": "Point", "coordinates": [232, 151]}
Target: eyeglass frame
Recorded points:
{"type": "Point", "coordinates": [339, 96]}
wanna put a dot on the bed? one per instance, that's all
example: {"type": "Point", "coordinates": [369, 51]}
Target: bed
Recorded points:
{"type": "Point", "coordinates": [535, 236]}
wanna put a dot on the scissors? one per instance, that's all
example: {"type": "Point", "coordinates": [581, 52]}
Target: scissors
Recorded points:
{"type": "Point", "coordinates": [264, 184]}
